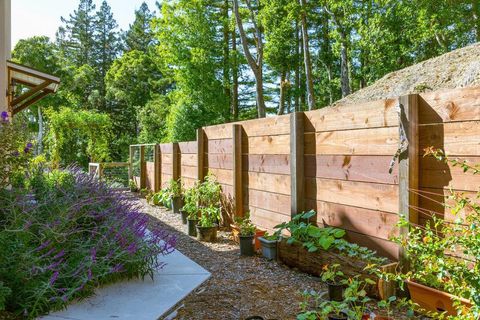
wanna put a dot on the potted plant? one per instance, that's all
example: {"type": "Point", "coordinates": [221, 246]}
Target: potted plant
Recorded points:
{"type": "Point", "coordinates": [269, 245]}
{"type": "Point", "coordinates": [208, 224]}
{"type": "Point", "coordinates": [247, 233]}
{"type": "Point", "coordinates": [190, 204]}
{"type": "Point", "coordinates": [175, 188]}
{"type": "Point", "coordinates": [334, 279]}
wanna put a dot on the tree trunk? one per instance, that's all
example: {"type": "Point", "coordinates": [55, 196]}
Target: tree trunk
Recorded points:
{"type": "Point", "coordinates": [234, 76]}
{"type": "Point", "coordinates": [306, 57]}
{"type": "Point", "coordinates": [256, 65]}
{"type": "Point", "coordinates": [297, 69]}
{"type": "Point", "coordinates": [476, 18]}
{"type": "Point", "coordinates": [283, 86]}
{"type": "Point", "coordinates": [226, 58]}
{"type": "Point", "coordinates": [40, 131]}
{"type": "Point", "coordinates": [344, 72]}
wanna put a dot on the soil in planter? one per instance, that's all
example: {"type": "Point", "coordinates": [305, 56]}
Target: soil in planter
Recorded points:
{"type": "Point", "coordinates": [207, 234]}
{"type": "Point", "coordinates": [246, 246]}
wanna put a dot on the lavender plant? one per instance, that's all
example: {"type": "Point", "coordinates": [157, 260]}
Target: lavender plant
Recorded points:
{"type": "Point", "coordinates": [75, 234]}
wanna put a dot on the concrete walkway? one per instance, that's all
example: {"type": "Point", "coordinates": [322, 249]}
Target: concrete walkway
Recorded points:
{"type": "Point", "coordinates": [137, 299]}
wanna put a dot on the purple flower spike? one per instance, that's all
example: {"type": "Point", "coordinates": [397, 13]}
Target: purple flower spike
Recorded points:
{"type": "Point", "coordinates": [54, 278]}
{"type": "Point", "coordinates": [4, 115]}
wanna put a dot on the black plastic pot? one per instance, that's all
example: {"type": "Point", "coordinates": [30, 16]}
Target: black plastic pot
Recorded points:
{"type": "Point", "coordinates": [246, 245]}
{"type": "Point", "coordinates": [269, 248]}
{"type": "Point", "coordinates": [340, 316]}
{"type": "Point", "coordinates": [192, 227]}
{"type": "Point", "coordinates": [177, 204]}
{"type": "Point", "coordinates": [254, 318]}
{"type": "Point", "coordinates": [207, 234]}
{"type": "Point", "coordinates": [184, 216]}
{"type": "Point", "coordinates": [335, 291]}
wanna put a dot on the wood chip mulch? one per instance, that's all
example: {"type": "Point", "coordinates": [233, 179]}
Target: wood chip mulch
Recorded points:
{"type": "Point", "coordinates": [240, 287]}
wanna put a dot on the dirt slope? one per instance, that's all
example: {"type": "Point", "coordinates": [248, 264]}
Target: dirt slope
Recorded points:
{"type": "Point", "coordinates": [456, 69]}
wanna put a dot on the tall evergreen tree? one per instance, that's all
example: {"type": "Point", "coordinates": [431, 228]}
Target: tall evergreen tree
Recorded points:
{"type": "Point", "coordinates": [140, 35]}
{"type": "Point", "coordinates": [76, 37]}
{"type": "Point", "coordinates": [106, 47]}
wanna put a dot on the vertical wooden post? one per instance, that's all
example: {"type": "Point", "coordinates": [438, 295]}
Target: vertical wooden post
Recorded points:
{"type": "Point", "coordinates": [200, 154]}
{"type": "Point", "coordinates": [237, 169]}
{"type": "Point", "coordinates": [5, 48]}
{"type": "Point", "coordinates": [296, 162]}
{"type": "Point", "coordinates": [157, 160]}
{"type": "Point", "coordinates": [175, 161]}
{"type": "Point", "coordinates": [408, 164]}
{"type": "Point", "coordinates": [100, 171]}
{"type": "Point", "coordinates": [130, 163]}
{"type": "Point", "coordinates": [143, 168]}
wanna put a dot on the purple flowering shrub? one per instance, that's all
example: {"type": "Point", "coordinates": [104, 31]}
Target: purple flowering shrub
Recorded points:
{"type": "Point", "coordinates": [74, 234]}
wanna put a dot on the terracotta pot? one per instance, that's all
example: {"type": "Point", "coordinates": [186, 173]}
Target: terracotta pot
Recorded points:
{"type": "Point", "coordinates": [434, 300]}
{"type": "Point", "coordinates": [368, 317]}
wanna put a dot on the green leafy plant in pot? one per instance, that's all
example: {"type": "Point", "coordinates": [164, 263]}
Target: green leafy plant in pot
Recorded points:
{"type": "Point", "coordinates": [190, 208]}
{"type": "Point", "coordinates": [269, 245]}
{"type": "Point", "coordinates": [247, 234]}
{"type": "Point", "coordinates": [334, 279]}
{"type": "Point", "coordinates": [175, 188]}
{"type": "Point", "coordinates": [208, 224]}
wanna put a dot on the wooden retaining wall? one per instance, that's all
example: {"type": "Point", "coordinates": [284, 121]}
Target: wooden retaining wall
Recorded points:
{"type": "Point", "coordinates": [336, 161]}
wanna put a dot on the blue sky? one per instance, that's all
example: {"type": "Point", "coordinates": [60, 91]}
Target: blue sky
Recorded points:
{"type": "Point", "coordinates": [42, 17]}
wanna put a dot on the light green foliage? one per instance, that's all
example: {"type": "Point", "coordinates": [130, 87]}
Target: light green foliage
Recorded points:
{"type": "Point", "coordinates": [78, 136]}
{"type": "Point", "coordinates": [152, 120]}
{"type": "Point", "coordinates": [189, 49]}
{"type": "Point", "coordinates": [247, 228]}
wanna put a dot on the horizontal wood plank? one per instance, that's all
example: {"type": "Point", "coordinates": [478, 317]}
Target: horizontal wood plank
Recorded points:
{"type": "Point", "coordinates": [365, 221]}
{"type": "Point", "coordinates": [219, 146]}
{"type": "Point", "coordinates": [188, 147]}
{"type": "Point", "coordinates": [270, 163]}
{"type": "Point", "coordinates": [456, 138]}
{"type": "Point", "coordinates": [270, 201]}
{"type": "Point", "coordinates": [383, 247]}
{"type": "Point", "coordinates": [438, 174]}
{"type": "Point", "coordinates": [188, 172]}
{"type": "Point", "coordinates": [383, 197]}
{"type": "Point", "coordinates": [167, 158]}
{"type": "Point", "coordinates": [220, 161]}
{"type": "Point", "coordinates": [377, 141]}
{"type": "Point", "coordinates": [372, 114]}
{"type": "Point", "coordinates": [166, 168]}
{"type": "Point", "coordinates": [450, 105]}
{"type": "Point", "coordinates": [223, 176]}
{"type": "Point", "coordinates": [189, 160]}
{"type": "Point", "coordinates": [166, 148]}
{"type": "Point", "coordinates": [267, 182]}
{"type": "Point", "coordinates": [352, 168]}
{"type": "Point", "coordinates": [265, 219]}
{"type": "Point", "coordinates": [188, 182]}
{"type": "Point", "coordinates": [278, 144]}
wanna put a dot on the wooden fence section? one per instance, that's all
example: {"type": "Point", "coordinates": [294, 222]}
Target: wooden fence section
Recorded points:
{"type": "Point", "coordinates": [336, 161]}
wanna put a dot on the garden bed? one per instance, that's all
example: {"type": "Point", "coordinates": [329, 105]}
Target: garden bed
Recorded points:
{"type": "Point", "coordinates": [239, 287]}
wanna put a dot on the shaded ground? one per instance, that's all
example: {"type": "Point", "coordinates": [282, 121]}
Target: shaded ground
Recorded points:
{"type": "Point", "coordinates": [240, 286]}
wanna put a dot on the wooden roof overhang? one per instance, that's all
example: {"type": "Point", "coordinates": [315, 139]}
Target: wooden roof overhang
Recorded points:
{"type": "Point", "coordinates": [39, 85]}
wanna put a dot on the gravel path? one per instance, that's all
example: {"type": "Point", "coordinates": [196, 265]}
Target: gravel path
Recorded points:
{"type": "Point", "coordinates": [240, 286]}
